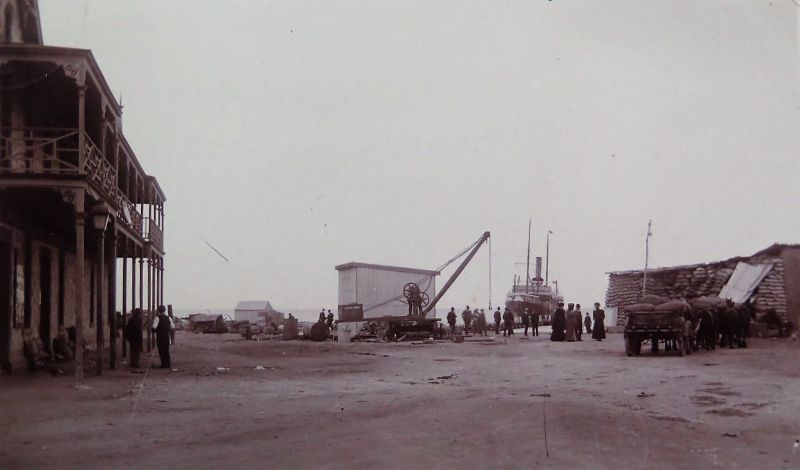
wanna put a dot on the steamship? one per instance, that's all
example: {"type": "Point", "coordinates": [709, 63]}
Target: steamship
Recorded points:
{"type": "Point", "coordinates": [540, 299]}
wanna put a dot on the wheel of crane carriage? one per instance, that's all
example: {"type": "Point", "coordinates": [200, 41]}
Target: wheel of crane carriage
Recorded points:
{"type": "Point", "coordinates": [424, 299]}
{"type": "Point", "coordinates": [410, 289]}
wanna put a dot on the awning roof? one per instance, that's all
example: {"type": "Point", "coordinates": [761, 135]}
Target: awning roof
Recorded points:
{"type": "Point", "coordinates": [744, 281]}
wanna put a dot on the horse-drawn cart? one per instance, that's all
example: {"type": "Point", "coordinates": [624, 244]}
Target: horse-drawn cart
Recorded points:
{"type": "Point", "coordinates": [665, 326]}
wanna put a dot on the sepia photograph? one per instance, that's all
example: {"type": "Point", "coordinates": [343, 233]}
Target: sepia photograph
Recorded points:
{"type": "Point", "coordinates": [400, 234]}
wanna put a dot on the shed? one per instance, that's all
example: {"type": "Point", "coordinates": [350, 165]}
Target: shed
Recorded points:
{"type": "Point", "coordinates": [257, 312]}
{"type": "Point", "coordinates": [379, 288]}
{"type": "Point", "coordinates": [207, 323]}
{"type": "Point", "coordinates": [770, 278]}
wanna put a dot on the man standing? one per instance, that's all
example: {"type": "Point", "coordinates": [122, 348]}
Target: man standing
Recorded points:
{"type": "Point", "coordinates": [482, 323]}
{"type": "Point", "coordinates": [497, 318]}
{"type": "Point", "coordinates": [162, 326]}
{"type": "Point", "coordinates": [587, 322]}
{"type": "Point", "coordinates": [329, 320]}
{"type": "Point", "coordinates": [534, 324]}
{"type": "Point", "coordinates": [526, 320]}
{"type": "Point", "coordinates": [559, 323]}
{"type": "Point", "coordinates": [508, 319]}
{"type": "Point", "coordinates": [451, 320]}
{"type": "Point", "coordinates": [577, 322]}
{"type": "Point", "coordinates": [599, 329]}
{"type": "Point", "coordinates": [466, 315]}
{"type": "Point", "coordinates": [133, 331]}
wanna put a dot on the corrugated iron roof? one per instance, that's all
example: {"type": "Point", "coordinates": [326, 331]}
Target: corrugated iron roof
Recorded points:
{"type": "Point", "coordinates": [254, 305]}
{"type": "Point", "coordinates": [382, 267]}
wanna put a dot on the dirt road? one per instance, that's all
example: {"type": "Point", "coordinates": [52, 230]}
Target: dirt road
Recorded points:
{"type": "Point", "coordinates": [506, 404]}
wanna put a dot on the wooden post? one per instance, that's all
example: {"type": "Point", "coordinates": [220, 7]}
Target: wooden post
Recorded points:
{"type": "Point", "coordinates": [99, 309]}
{"type": "Point", "coordinates": [141, 299]}
{"type": "Point", "coordinates": [124, 304]}
{"type": "Point", "coordinates": [161, 282]}
{"type": "Point", "coordinates": [112, 300]}
{"type": "Point", "coordinates": [80, 225]}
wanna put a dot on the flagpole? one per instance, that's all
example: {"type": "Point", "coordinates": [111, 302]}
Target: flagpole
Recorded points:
{"type": "Point", "coordinates": [646, 255]}
{"type": "Point", "coordinates": [528, 263]}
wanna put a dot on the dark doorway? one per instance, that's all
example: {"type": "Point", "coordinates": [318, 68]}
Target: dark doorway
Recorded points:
{"type": "Point", "coordinates": [46, 309]}
{"type": "Point", "coordinates": [5, 306]}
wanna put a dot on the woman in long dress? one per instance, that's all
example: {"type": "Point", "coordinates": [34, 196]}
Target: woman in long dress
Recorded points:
{"type": "Point", "coordinates": [599, 329]}
{"type": "Point", "coordinates": [559, 323]}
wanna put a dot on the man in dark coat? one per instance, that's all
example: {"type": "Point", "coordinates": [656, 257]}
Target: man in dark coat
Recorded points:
{"type": "Point", "coordinates": [451, 320]}
{"type": "Point", "coordinates": [162, 326]}
{"type": "Point", "coordinates": [559, 323]}
{"type": "Point", "coordinates": [534, 324]}
{"type": "Point", "coordinates": [466, 315]}
{"type": "Point", "coordinates": [497, 317]}
{"type": "Point", "coordinates": [329, 320]}
{"type": "Point", "coordinates": [526, 320]}
{"type": "Point", "coordinates": [599, 317]}
{"type": "Point", "coordinates": [508, 323]}
{"type": "Point", "coordinates": [587, 322]}
{"type": "Point", "coordinates": [133, 331]}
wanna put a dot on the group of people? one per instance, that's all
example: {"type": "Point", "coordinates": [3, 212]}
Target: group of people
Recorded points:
{"type": "Point", "coordinates": [164, 329]}
{"type": "Point", "coordinates": [475, 321]}
{"type": "Point", "coordinates": [327, 319]}
{"type": "Point", "coordinates": [569, 325]}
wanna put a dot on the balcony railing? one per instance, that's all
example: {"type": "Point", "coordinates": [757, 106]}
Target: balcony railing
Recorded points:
{"type": "Point", "coordinates": [154, 234]}
{"type": "Point", "coordinates": [128, 214]}
{"type": "Point", "coordinates": [99, 169]}
{"type": "Point", "coordinates": [39, 151]}
{"type": "Point", "coordinates": [55, 151]}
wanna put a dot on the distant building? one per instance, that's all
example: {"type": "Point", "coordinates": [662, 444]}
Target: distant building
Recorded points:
{"type": "Point", "coordinates": [770, 278]}
{"type": "Point", "coordinates": [257, 312]}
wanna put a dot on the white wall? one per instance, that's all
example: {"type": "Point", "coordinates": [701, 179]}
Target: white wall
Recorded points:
{"type": "Point", "coordinates": [371, 286]}
{"type": "Point", "coordinates": [249, 315]}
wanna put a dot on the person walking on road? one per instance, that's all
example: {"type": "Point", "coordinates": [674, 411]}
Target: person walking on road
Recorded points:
{"type": "Point", "coordinates": [587, 323]}
{"type": "Point", "coordinates": [451, 320]}
{"type": "Point", "coordinates": [570, 322]}
{"type": "Point", "coordinates": [162, 326]}
{"type": "Point", "coordinates": [577, 324]}
{"type": "Point", "coordinates": [599, 329]}
{"type": "Point", "coordinates": [508, 319]}
{"type": "Point", "coordinates": [534, 324]}
{"type": "Point", "coordinates": [466, 315]}
{"type": "Point", "coordinates": [497, 317]}
{"type": "Point", "coordinates": [133, 331]}
{"type": "Point", "coordinates": [559, 323]}
{"type": "Point", "coordinates": [526, 320]}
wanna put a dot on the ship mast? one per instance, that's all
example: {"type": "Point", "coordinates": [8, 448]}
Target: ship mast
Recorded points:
{"type": "Point", "coordinates": [528, 263]}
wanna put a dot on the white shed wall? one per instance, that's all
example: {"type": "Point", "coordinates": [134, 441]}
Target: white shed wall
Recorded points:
{"type": "Point", "coordinates": [370, 286]}
{"type": "Point", "coordinates": [249, 315]}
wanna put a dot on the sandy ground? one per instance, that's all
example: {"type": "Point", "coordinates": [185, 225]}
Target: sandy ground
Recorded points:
{"type": "Point", "coordinates": [512, 403]}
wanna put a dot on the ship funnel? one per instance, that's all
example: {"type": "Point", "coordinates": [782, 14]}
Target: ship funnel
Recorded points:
{"type": "Point", "coordinates": [538, 269]}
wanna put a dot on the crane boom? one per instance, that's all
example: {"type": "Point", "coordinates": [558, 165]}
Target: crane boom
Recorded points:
{"type": "Point", "coordinates": [458, 271]}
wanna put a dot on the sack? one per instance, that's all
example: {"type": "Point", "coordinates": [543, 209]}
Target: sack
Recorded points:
{"type": "Point", "coordinates": [653, 299]}
{"type": "Point", "coordinates": [673, 306]}
{"type": "Point", "coordinates": [706, 302]}
{"type": "Point", "coordinates": [640, 307]}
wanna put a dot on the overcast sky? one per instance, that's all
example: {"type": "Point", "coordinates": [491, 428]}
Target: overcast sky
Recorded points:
{"type": "Point", "coordinates": [295, 136]}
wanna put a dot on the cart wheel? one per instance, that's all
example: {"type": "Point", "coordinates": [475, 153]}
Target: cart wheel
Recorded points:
{"type": "Point", "coordinates": [636, 345]}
